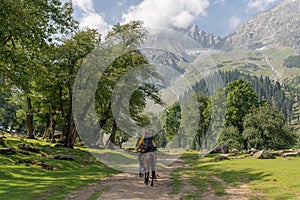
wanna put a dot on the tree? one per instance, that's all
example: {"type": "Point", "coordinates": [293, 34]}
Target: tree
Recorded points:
{"type": "Point", "coordinates": [128, 36]}
{"type": "Point", "coordinates": [172, 124]}
{"type": "Point", "coordinates": [217, 117]}
{"type": "Point", "coordinates": [27, 29]}
{"type": "Point", "coordinates": [231, 136]}
{"type": "Point", "coordinates": [240, 99]}
{"type": "Point", "coordinates": [266, 128]}
{"type": "Point", "coordinates": [70, 55]}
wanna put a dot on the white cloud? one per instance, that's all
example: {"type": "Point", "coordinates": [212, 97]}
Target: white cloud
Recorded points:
{"type": "Point", "coordinates": [166, 13]}
{"type": "Point", "coordinates": [90, 18]}
{"type": "Point", "coordinates": [259, 4]}
{"type": "Point", "coordinates": [95, 21]}
{"type": "Point", "coordinates": [86, 6]}
{"type": "Point", "coordinates": [234, 22]}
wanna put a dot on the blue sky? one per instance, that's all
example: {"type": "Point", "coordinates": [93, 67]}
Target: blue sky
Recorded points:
{"type": "Point", "coordinates": [214, 16]}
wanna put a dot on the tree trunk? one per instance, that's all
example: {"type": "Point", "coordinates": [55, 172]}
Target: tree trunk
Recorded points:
{"type": "Point", "coordinates": [29, 118]}
{"type": "Point", "coordinates": [52, 124]}
{"type": "Point", "coordinates": [68, 132]}
{"type": "Point", "coordinates": [101, 143]}
{"type": "Point", "coordinates": [112, 137]}
{"type": "Point", "coordinates": [74, 135]}
{"type": "Point", "coordinates": [46, 134]}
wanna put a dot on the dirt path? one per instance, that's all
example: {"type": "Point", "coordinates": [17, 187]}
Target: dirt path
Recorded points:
{"type": "Point", "coordinates": [130, 186]}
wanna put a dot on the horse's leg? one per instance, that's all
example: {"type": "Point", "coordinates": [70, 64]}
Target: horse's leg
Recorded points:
{"type": "Point", "coordinates": [147, 178]}
{"type": "Point", "coordinates": [152, 165]}
{"type": "Point", "coordinates": [141, 166]}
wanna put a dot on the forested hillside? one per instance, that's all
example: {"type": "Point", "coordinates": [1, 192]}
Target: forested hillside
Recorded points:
{"type": "Point", "coordinates": [266, 89]}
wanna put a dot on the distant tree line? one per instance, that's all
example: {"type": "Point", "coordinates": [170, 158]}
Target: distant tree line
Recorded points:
{"type": "Point", "coordinates": [292, 61]}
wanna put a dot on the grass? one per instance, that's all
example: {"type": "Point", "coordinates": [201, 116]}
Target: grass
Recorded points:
{"type": "Point", "coordinates": [21, 181]}
{"type": "Point", "coordinates": [176, 181]}
{"type": "Point", "coordinates": [271, 179]}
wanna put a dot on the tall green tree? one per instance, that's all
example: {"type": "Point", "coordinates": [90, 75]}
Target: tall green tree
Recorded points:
{"type": "Point", "coordinates": [172, 124]}
{"type": "Point", "coordinates": [27, 27]}
{"type": "Point", "coordinates": [266, 128]}
{"type": "Point", "coordinates": [70, 55]}
{"type": "Point", "coordinates": [240, 99]}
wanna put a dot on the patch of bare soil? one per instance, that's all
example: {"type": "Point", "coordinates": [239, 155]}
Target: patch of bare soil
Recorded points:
{"type": "Point", "coordinates": [131, 186]}
{"type": "Point", "coordinates": [241, 192]}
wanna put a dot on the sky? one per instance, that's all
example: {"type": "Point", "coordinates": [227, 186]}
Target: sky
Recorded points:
{"type": "Point", "coordinates": [218, 17]}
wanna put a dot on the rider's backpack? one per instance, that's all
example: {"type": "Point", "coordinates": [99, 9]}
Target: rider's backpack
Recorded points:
{"type": "Point", "coordinates": [148, 145]}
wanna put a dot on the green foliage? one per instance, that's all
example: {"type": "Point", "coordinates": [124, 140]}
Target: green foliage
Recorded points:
{"type": "Point", "coordinates": [231, 136]}
{"type": "Point", "coordinates": [172, 124]}
{"type": "Point", "coordinates": [292, 61]}
{"type": "Point", "coordinates": [240, 99]}
{"type": "Point", "coordinates": [266, 128]}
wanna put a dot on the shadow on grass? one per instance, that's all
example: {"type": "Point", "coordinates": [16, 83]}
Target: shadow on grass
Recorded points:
{"type": "Point", "coordinates": [30, 181]}
{"type": "Point", "coordinates": [203, 169]}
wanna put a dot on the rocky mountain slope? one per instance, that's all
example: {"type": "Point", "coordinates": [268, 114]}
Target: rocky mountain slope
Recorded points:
{"type": "Point", "coordinates": [278, 26]}
{"type": "Point", "coordinates": [206, 40]}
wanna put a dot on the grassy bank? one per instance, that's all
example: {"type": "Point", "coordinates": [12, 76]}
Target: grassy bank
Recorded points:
{"type": "Point", "coordinates": [267, 179]}
{"type": "Point", "coordinates": [22, 176]}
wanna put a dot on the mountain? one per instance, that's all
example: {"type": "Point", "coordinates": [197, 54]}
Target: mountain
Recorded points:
{"type": "Point", "coordinates": [206, 40]}
{"type": "Point", "coordinates": [278, 26]}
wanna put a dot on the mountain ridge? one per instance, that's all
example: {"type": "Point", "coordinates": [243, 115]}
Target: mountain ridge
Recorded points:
{"type": "Point", "coordinates": [277, 26]}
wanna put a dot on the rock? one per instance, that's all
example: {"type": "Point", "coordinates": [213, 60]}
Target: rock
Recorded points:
{"type": "Point", "coordinates": [291, 154]}
{"type": "Point", "coordinates": [251, 152]}
{"type": "Point", "coordinates": [263, 154]}
{"type": "Point", "coordinates": [7, 151]}
{"type": "Point", "coordinates": [45, 166]}
{"type": "Point", "coordinates": [234, 151]}
{"type": "Point", "coordinates": [223, 148]}
{"type": "Point", "coordinates": [222, 157]}
{"type": "Point", "coordinates": [64, 157]}
{"type": "Point", "coordinates": [27, 147]}
{"type": "Point", "coordinates": [281, 152]}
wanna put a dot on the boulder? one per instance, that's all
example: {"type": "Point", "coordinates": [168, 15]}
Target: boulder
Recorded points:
{"type": "Point", "coordinates": [28, 147]}
{"type": "Point", "coordinates": [64, 157]}
{"type": "Point", "coordinates": [45, 166]}
{"type": "Point", "coordinates": [234, 151]}
{"type": "Point", "coordinates": [285, 152]}
{"type": "Point", "coordinates": [7, 151]}
{"type": "Point", "coordinates": [222, 157]}
{"type": "Point", "coordinates": [223, 148]}
{"type": "Point", "coordinates": [291, 154]}
{"type": "Point", "coordinates": [251, 151]}
{"type": "Point", "coordinates": [263, 154]}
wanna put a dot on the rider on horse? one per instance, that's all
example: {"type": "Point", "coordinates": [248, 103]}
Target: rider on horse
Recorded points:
{"type": "Point", "coordinates": [146, 144]}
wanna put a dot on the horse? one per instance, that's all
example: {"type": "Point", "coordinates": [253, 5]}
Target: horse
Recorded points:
{"type": "Point", "coordinates": [148, 162]}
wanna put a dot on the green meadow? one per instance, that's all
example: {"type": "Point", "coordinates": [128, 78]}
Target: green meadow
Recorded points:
{"type": "Point", "coordinates": [269, 179]}
{"type": "Point", "coordinates": [31, 181]}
